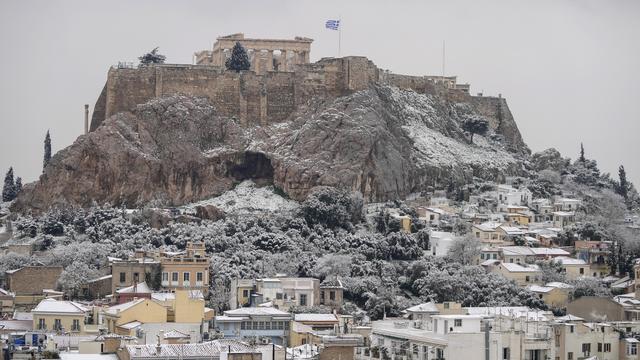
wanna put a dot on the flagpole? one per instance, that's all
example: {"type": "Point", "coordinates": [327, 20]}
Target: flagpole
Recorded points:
{"type": "Point", "coordinates": [339, 34]}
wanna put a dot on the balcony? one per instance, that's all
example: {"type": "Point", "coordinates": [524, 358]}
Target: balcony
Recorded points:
{"type": "Point", "coordinates": [165, 283]}
{"type": "Point", "coordinates": [199, 284]}
{"type": "Point", "coordinates": [186, 283]}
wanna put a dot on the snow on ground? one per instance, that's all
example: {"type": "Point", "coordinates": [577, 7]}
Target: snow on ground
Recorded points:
{"type": "Point", "coordinates": [248, 197]}
{"type": "Point", "coordinates": [437, 149]}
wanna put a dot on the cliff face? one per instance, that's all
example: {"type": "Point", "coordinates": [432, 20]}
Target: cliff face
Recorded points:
{"type": "Point", "coordinates": [383, 141]}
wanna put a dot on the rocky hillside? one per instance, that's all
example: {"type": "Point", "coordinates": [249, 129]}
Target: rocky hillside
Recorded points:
{"type": "Point", "coordinates": [384, 142]}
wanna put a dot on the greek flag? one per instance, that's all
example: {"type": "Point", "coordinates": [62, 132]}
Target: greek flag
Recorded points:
{"type": "Point", "coordinates": [332, 24]}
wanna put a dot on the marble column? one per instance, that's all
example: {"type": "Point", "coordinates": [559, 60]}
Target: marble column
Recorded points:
{"type": "Point", "coordinates": [270, 60]}
{"type": "Point", "coordinates": [283, 60]}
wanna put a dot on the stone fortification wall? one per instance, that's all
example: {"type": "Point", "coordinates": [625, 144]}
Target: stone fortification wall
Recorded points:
{"type": "Point", "coordinates": [259, 99]}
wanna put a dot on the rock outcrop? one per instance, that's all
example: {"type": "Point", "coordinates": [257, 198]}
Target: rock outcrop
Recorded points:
{"type": "Point", "coordinates": [384, 142]}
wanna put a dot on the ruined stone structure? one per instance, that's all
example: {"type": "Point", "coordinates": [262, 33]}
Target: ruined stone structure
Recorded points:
{"type": "Point", "coordinates": [264, 54]}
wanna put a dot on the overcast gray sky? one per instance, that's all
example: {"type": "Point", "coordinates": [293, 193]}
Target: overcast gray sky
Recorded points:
{"type": "Point", "coordinates": [570, 70]}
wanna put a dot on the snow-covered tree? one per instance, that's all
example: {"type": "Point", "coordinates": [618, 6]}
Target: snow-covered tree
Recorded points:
{"type": "Point", "coordinates": [74, 276]}
{"type": "Point", "coordinates": [239, 59]}
{"type": "Point", "coordinates": [464, 250]}
{"type": "Point", "coordinates": [9, 188]}
{"type": "Point", "coordinates": [581, 158]}
{"type": "Point", "coordinates": [152, 57]}
{"type": "Point", "coordinates": [475, 125]}
{"type": "Point", "coordinates": [18, 185]}
{"type": "Point", "coordinates": [47, 151]}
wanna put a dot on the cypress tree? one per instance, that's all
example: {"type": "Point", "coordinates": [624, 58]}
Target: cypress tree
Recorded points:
{"type": "Point", "coordinates": [582, 159]}
{"type": "Point", "coordinates": [18, 185]}
{"type": "Point", "coordinates": [623, 185]}
{"type": "Point", "coordinates": [47, 151]}
{"type": "Point", "coordinates": [9, 189]}
{"type": "Point", "coordinates": [239, 59]}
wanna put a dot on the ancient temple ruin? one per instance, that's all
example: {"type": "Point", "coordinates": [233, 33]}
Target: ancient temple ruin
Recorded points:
{"type": "Point", "coordinates": [264, 54]}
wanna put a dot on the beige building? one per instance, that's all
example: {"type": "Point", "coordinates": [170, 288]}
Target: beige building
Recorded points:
{"type": "Point", "coordinates": [52, 315]}
{"type": "Point", "coordinates": [126, 273]}
{"type": "Point", "coordinates": [186, 270]}
{"type": "Point", "coordinates": [575, 339]}
{"type": "Point", "coordinates": [522, 274]}
{"type": "Point", "coordinates": [573, 268]}
{"type": "Point", "coordinates": [123, 319]}
{"type": "Point", "coordinates": [264, 54]}
{"type": "Point", "coordinates": [555, 297]}
{"type": "Point", "coordinates": [7, 302]}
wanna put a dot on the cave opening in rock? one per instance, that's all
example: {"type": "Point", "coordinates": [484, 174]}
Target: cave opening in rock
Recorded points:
{"type": "Point", "coordinates": [252, 165]}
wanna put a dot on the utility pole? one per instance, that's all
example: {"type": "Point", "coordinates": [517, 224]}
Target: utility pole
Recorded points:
{"type": "Point", "coordinates": [86, 119]}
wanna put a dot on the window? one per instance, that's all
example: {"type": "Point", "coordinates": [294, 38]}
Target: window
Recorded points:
{"type": "Point", "coordinates": [586, 349]}
{"type": "Point", "coordinates": [632, 349]}
{"type": "Point", "coordinates": [243, 325]}
{"type": "Point", "coordinates": [599, 347]}
{"type": "Point", "coordinates": [482, 256]}
{"type": "Point", "coordinates": [607, 347]}
{"type": "Point", "coordinates": [322, 295]}
{"type": "Point", "coordinates": [260, 325]}
{"type": "Point", "coordinates": [165, 276]}
{"type": "Point", "coordinates": [569, 356]}
{"type": "Point", "coordinates": [446, 305]}
{"type": "Point", "coordinates": [581, 271]}
{"type": "Point", "coordinates": [457, 322]}
{"type": "Point", "coordinates": [495, 256]}
{"type": "Point", "coordinates": [41, 324]}
{"type": "Point", "coordinates": [527, 278]}
{"type": "Point", "coordinates": [199, 276]}
{"type": "Point", "coordinates": [278, 296]}
{"type": "Point", "coordinates": [123, 277]}
{"type": "Point", "coordinates": [245, 293]}
{"type": "Point", "coordinates": [76, 325]}
{"type": "Point", "coordinates": [571, 329]}
{"type": "Point", "coordinates": [57, 324]}
{"type": "Point", "coordinates": [303, 299]}
{"type": "Point", "coordinates": [267, 325]}
{"type": "Point", "coordinates": [506, 353]}
{"type": "Point", "coordinates": [511, 261]}
{"type": "Point", "coordinates": [186, 276]}
{"type": "Point", "coordinates": [136, 277]}
{"type": "Point", "coordinates": [557, 339]}
{"type": "Point", "coordinates": [174, 276]}
{"type": "Point", "coordinates": [332, 295]}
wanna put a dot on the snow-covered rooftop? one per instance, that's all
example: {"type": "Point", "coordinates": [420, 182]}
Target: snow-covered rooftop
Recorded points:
{"type": "Point", "coordinates": [141, 288]}
{"type": "Point", "coordinates": [50, 305]}
{"type": "Point", "coordinates": [315, 317]}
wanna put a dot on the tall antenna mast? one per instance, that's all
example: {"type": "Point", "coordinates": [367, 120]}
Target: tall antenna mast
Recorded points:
{"type": "Point", "coordinates": [443, 60]}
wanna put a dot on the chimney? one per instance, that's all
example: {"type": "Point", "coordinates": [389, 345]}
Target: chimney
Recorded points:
{"type": "Point", "coordinates": [86, 119]}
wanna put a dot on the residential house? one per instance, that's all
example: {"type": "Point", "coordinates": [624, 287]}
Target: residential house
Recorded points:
{"type": "Point", "coordinates": [98, 288]}
{"type": "Point", "coordinates": [331, 292]}
{"type": "Point", "coordinates": [576, 339]}
{"type": "Point", "coordinates": [126, 273]}
{"type": "Point", "coordinates": [440, 242]}
{"type": "Point", "coordinates": [135, 291]}
{"type": "Point", "coordinates": [123, 319]}
{"type": "Point", "coordinates": [596, 254]}
{"type": "Point", "coordinates": [574, 268]}
{"type": "Point", "coordinates": [255, 322]}
{"type": "Point", "coordinates": [595, 308]}
{"type": "Point", "coordinates": [566, 204]}
{"type": "Point", "coordinates": [522, 274]}
{"type": "Point", "coordinates": [431, 215]}
{"type": "Point", "coordinates": [241, 291]}
{"type": "Point", "coordinates": [284, 292]}
{"type": "Point", "coordinates": [487, 232]}
{"type": "Point", "coordinates": [555, 297]}
{"type": "Point", "coordinates": [186, 270]}
{"type": "Point", "coordinates": [563, 218]}
{"type": "Point", "coordinates": [28, 283]}
{"type": "Point", "coordinates": [52, 315]}
{"type": "Point", "coordinates": [328, 323]}
{"type": "Point", "coordinates": [7, 302]}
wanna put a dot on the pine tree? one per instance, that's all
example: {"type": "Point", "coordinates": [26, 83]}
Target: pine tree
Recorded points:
{"type": "Point", "coordinates": [47, 151]}
{"type": "Point", "coordinates": [9, 189]}
{"type": "Point", "coordinates": [239, 59]}
{"type": "Point", "coordinates": [18, 185]}
{"type": "Point", "coordinates": [152, 57]}
{"type": "Point", "coordinates": [582, 159]}
{"type": "Point", "coordinates": [623, 185]}
{"type": "Point", "coordinates": [475, 125]}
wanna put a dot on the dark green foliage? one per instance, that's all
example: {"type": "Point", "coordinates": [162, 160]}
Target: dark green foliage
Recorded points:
{"type": "Point", "coordinates": [333, 208]}
{"type": "Point", "coordinates": [18, 186]}
{"type": "Point", "coordinates": [475, 125]}
{"type": "Point", "coordinates": [47, 151]}
{"type": "Point", "coordinates": [152, 57]}
{"type": "Point", "coordinates": [239, 59]}
{"type": "Point", "coordinates": [154, 277]}
{"type": "Point", "coordinates": [581, 158]}
{"type": "Point", "coordinates": [550, 159]}
{"type": "Point", "coordinates": [9, 188]}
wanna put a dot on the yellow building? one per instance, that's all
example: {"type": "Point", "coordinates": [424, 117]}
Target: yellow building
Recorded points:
{"type": "Point", "coordinates": [552, 296]}
{"type": "Point", "coordinates": [60, 316]}
{"type": "Point", "coordinates": [523, 275]}
{"type": "Point", "coordinates": [186, 270]}
{"type": "Point", "coordinates": [189, 306]}
{"type": "Point", "coordinates": [122, 319]}
{"type": "Point", "coordinates": [573, 268]}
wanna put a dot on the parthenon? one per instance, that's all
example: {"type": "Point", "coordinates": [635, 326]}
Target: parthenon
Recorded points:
{"type": "Point", "coordinates": [264, 54]}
